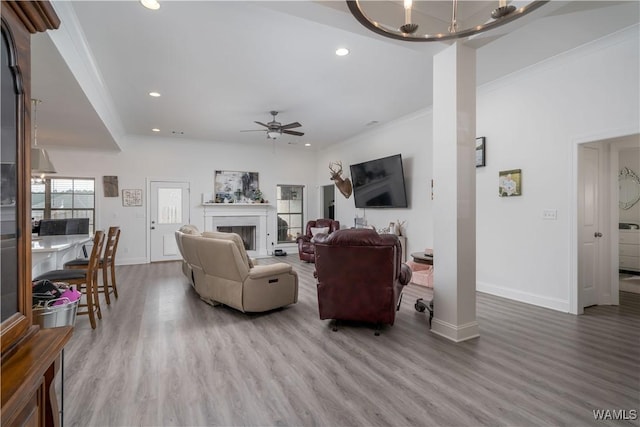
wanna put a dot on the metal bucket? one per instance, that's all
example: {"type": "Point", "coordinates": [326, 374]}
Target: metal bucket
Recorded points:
{"type": "Point", "coordinates": [49, 316]}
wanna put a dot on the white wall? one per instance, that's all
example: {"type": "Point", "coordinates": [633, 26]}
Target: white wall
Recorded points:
{"type": "Point", "coordinates": [182, 160]}
{"type": "Point", "coordinates": [411, 137]}
{"type": "Point", "coordinates": [532, 120]}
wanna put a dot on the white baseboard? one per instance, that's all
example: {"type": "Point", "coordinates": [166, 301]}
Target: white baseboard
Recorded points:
{"type": "Point", "coordinates": [526, 297]}
{"type": "Point", "coordinates": [455, 333]}
{"type": "Point", "coordinates": [132, 261]}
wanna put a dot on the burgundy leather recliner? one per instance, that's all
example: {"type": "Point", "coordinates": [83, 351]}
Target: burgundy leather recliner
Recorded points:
{"type": "Point", "coordinates": [305, 245]}
{"type": "Point", "coordinates": [360, 275]}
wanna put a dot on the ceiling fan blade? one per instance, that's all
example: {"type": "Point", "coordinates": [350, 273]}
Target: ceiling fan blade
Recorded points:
{"type": "Point", "coordinates": [253, 130]}
{"type": "Point", "coordinates": [291, 125]}
{"type": "Point", "coordinates": [293, 132]}
{"type": "Point", "coordinates": [262, 124]}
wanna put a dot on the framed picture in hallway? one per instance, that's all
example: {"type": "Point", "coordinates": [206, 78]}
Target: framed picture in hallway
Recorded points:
{"type": "Point", "coordinates": [510, 183]}
{"type": "Point", "coordinates": [481, 144]}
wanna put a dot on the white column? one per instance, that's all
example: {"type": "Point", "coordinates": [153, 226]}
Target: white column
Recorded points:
{"type": "Point", "coordinates": [454, 204]}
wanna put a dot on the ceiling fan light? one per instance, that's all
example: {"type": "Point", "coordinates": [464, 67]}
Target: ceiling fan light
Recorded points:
{"type": "Point", "coordinates": [273, 134]}
{"type": "Point", "coordinates": [150, 4]}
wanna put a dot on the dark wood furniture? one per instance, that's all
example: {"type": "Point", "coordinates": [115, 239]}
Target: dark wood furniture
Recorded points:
{"type": "Point", "coordinates": [85, 279]}
{"type": "Point", "coordinates": [106, 263]}
{"type": "Point", "coordinates": [29, 354]}
{"type": "Point", "coordinates": [422, 258]}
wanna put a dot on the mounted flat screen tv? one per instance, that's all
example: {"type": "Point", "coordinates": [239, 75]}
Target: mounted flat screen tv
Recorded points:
{"type": "Point", "coordinates": [379, 183]}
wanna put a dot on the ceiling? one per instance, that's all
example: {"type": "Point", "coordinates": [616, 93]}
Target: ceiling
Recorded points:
{"type": "Point", "coordinates": [220, 66]}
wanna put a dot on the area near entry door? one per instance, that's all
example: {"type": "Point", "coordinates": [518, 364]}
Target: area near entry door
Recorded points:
{"type": "Point", "coordinates": [169, 210]}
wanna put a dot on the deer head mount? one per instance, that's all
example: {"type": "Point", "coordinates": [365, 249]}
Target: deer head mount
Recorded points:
{"type": "Point", "coordinates": [344, 185]}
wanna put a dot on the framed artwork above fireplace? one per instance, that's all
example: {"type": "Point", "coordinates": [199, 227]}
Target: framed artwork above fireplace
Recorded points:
{"type": "Point", "coordinates": [236, 186]}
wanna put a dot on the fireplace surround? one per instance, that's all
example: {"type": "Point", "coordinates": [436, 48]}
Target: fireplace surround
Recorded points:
{"type": "Point", "coordinates": [238, 215]}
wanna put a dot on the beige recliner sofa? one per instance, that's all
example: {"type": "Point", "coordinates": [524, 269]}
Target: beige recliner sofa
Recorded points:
{"type": "Point", "coordinates": [221, 273]}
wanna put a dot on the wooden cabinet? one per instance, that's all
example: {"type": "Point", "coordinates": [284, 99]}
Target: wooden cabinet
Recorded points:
{"type": "Point", "coordinates": [29, 355]}
{"type": "Point", "coordinates": [629, 250]}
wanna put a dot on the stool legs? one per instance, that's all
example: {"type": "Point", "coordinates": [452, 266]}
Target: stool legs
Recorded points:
{"type": "Point", "coordinates": [96, 296]}
{"type": "Point", "coordinates": [113, 279]}
{"type": "Point", "coordinates": [108, 285]}
{"type": "Point", "coordinates": [105, 283]}
{"type": "Point", "coordinates": [90, 295]}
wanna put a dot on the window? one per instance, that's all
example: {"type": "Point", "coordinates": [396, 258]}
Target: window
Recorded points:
{"type": "Point", "coordinates": [59, 198]}
{"type": "Point", "coordinates": [289, 205]}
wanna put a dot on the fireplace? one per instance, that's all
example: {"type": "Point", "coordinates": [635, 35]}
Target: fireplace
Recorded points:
{"type": "Point", "coordinates": [247, 220]}
{"type": "Point", "coordinates": [246, 232]}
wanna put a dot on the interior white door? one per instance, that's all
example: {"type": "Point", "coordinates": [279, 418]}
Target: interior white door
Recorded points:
{"type": "Point", "coordinates": [169, 205]}
{"type": "Point", "coordinates": [588, 225]}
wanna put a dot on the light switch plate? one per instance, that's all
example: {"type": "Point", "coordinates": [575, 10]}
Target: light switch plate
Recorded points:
{"type": "Point", "coordinates": [550, 214]}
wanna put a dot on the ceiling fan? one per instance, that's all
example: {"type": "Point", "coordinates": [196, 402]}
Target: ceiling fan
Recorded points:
{"type": "Point", "coordinates": [276, 129]}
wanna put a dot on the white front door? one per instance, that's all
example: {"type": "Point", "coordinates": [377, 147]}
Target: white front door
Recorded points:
{"type": "Point", "coordinates": [588, 226]}
{"type": "Point", "coordinates": [169, 205]}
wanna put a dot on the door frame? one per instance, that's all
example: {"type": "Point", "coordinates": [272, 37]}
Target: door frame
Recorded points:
{"type": "Point", "coordinates": [609, 212]}
{"type": "Point", "coordinates": [323, 201]}
{"type": "Point", "coordinates": [148, 182]}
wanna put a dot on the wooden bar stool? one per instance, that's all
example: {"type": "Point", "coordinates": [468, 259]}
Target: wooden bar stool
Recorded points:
{"type": "Point", "coordinates": [85, 279]}
{"type": "Point", "coordinates": [107, 263]}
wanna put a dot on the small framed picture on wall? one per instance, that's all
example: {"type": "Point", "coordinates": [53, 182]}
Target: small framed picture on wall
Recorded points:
{"type": "Point", "coordinates": [131, 198]}
{"type": "Point", "coordinates": [510, 183]}
{"type": "Point", "coordinates": [481, 156]}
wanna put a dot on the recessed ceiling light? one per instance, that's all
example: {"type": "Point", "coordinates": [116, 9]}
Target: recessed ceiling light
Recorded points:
{"type": "Point", "coordinates": [307, 145]}
{"type": "Point", "coordinates": [154, 94]}
{"type": "Point", "coordinates": [155, 130]}
{"type": "Point", "coordinates": [150, 4]}
{"type": "Point", "coordinates": [343, 51]}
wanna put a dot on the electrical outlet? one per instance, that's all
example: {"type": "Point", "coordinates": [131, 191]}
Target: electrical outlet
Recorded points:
{"type": "Point", "coordinates": [550, 214]}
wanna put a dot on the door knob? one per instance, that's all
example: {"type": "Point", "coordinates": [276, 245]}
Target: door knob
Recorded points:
{"type": "Point", "coordinates": [597, 234]}
{"type": "Point", "coordinates": [153, 228]}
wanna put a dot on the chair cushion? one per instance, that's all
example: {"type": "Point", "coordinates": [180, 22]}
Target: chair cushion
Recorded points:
{"type": "Point", "coordinates": [78, 262]}
{"type": "Point", "coordinates": [236, 239]}
{"type": "Point", "coordinates": [62, 275]}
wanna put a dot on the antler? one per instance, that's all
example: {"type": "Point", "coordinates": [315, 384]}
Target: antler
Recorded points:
{"type": "Point", "coordinates": [335, 173]}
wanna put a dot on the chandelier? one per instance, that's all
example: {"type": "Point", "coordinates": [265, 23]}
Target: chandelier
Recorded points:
{"type": "Point", "coordinates": [369, 14]}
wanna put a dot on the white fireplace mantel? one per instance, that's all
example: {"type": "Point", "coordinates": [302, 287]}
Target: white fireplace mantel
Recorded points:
{"type": "Point", "coordinates": [239, 214]}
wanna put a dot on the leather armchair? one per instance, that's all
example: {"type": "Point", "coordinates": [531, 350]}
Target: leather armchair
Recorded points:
{"type": "Point", "coordinates": [360, 275]}
{"type": "Point", "coordinates": [222, 273]}
{"type": "Point", "coordinates": [305, 244]}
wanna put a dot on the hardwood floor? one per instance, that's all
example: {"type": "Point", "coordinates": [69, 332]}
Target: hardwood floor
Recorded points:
{"type": "Point", "coordinates": [160, 356]}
